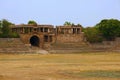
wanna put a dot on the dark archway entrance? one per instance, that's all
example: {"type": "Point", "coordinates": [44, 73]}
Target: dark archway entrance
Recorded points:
{"type": "Point", "coordinates": [34, 41]}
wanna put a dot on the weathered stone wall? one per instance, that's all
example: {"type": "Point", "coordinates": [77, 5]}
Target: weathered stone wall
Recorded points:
{"type": "Point", "coordinates": [107, 45]}
{"type": "Point", "coordinates": [13, 45]}
{"type": "Point", "coordinates": [64, 38]}
{"type": "Point", "coordinates": [26, 38]}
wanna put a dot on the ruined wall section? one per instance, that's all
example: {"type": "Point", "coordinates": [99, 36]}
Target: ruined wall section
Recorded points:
{"type": "Point", "coordinates": [26, 39]}
{"type": "Point", "coordinates": [70, 38]}
{"type": "Point", "coordinates": [69, 34]}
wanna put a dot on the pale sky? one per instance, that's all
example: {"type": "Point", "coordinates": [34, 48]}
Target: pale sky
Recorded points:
{"type": "Point", "coordinates": [56, 12]}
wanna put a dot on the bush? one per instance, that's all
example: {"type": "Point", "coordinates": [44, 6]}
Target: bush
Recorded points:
{"type": "Point", "coordinates": [14, 35]}
{"type": "Point", "coordinates": [92, 35]}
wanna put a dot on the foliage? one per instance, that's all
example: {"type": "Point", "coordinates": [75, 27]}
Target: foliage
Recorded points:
{"type": "Point", "coordinates": [79, 25]}
{"type": "Point", "coordinates": [5, 28]}
{"type": "Point", "coordinates": [32, 22]}
{"type": "Point", "coordinates": [110, 29]}
{"type": "Point", "coordinates": [82, 29]}
{"type": "Point", "coordinates": [107, 29]}
{"type": "Point", "coordinates": [92, 35]}
{"type": "Point", "coordinates": [14, 35]}
{"type": "Point", "coordinates": [6, 31]}
{"type": "Point", "coordinates": [68, 23]}
{"type": "Point", "coordinates": [0, 27]}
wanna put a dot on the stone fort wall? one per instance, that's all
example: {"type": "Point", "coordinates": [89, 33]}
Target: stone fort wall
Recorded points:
{"type": "Point", "coordinates": [70, 38]}
{"type": "Point", "coordinates": [44, 35]}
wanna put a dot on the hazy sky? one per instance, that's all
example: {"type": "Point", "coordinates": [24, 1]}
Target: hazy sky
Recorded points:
{"type": "Point", "coordinates": [56, 12]}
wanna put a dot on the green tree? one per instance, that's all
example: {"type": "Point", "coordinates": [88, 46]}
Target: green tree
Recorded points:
{"type": "Point", "coordinates": [92, 35]}
{"type": "Point", "coordinates": [0, 27]}
{"type": "Point", "coordinates": [14, 35]}
{"type": "Point", "coordinates": [68, 23]}
{"type": "Point", "coordinates": [32, 22]}
{"type": "Point", "coordinates": [110, 29]}
{"type": "Point", "coordinates": [79, 25]}
{"type": "Point", "coordinates": [6, 28]}
{"type": "Point", "coordinates": [5, 31]}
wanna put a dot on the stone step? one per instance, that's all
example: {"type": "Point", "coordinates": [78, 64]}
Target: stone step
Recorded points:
{"type": "Point", "coordinates": [13, 45]}
{"type": "Point", "coordinates": [70, 46]}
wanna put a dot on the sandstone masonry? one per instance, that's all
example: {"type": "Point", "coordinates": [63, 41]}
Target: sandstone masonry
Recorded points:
{"type": "Point", "coordinates": [44, 35]}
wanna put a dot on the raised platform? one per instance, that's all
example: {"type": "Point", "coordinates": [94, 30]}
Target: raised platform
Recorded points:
{"type": "Point", "coordinates": [15, 45]}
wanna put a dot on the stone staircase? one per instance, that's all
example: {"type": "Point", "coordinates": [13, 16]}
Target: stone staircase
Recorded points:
{"type": "Point", "coordinates": [81, 47]}
{"type": "Point", "coordinates": [13, 45]}
{"type": "Point", "coordinates": [70, 47]}
{"type": "Point", "coordinates": [116, 48]}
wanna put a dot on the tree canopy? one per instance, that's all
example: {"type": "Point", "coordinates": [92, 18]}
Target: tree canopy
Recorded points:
{"type": "Point", "coordinates": [109, 28]}
{"type": "Point", "coordinates": [106, 29]}
{"type": "Point", "coordinates": [5, 29]}
{"type": "Point", "coordinates": [92, 35]}
{"type": "Point", "coordinates": [32, 22]}
{"type": "Point", "coordinates": [67, 23]}
{"type": "Point", "coordinates": [0, 27]}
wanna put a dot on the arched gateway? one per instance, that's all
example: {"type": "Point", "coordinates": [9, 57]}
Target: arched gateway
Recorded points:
{"type": "Point", "coordinates": [35, 41]}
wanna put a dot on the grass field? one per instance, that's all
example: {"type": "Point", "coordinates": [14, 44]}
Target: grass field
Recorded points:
{"type": "Point", "coordinates": [83, 66]}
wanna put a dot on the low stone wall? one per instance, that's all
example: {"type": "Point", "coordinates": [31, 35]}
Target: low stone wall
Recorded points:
{"type": "Point", "coordinates": [107, 45]}
{"type": "Point", "coordinates": [9, 39]}
{"type": "Point", "coordinates": [100, 46]}
{"type": "Point", "coordinates": [64, 38]}
{"type": "Point", "coordinates": [12, 45]}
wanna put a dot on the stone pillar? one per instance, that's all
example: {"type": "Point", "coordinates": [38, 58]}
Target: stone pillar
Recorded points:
{"type": "Point", "coordinates": [23, 30]}
{"type": "Point", "coordinates": [43, 30]}
{"type": "Point", "coordinates": [76, 31]}
{"type": "Point", "coordinates": [48, 30]}
{"type": "Point", "coordinates": [38, 29]}
{"type": "Point", "coordinates": [30, 29]}
{"type": "Point", "coordinates": [58, 30]}
{"type": "Point", "coordinates": [71, 30]}
{"type": "Point", "coordinates": [48, 38]}
{"type": "Point", "coordinates": [79, 30]}
{"type": "Point", "coordinates": [19, 30]}
{"type": "Point", "coordinates": [64, 30]}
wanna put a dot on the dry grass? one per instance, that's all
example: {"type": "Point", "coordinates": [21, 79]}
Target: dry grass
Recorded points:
{"type": "Point", "coordinates": [84, 66]}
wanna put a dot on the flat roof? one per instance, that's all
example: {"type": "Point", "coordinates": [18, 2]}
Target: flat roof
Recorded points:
{"type": "Point", "coordinates": [24, 25]}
